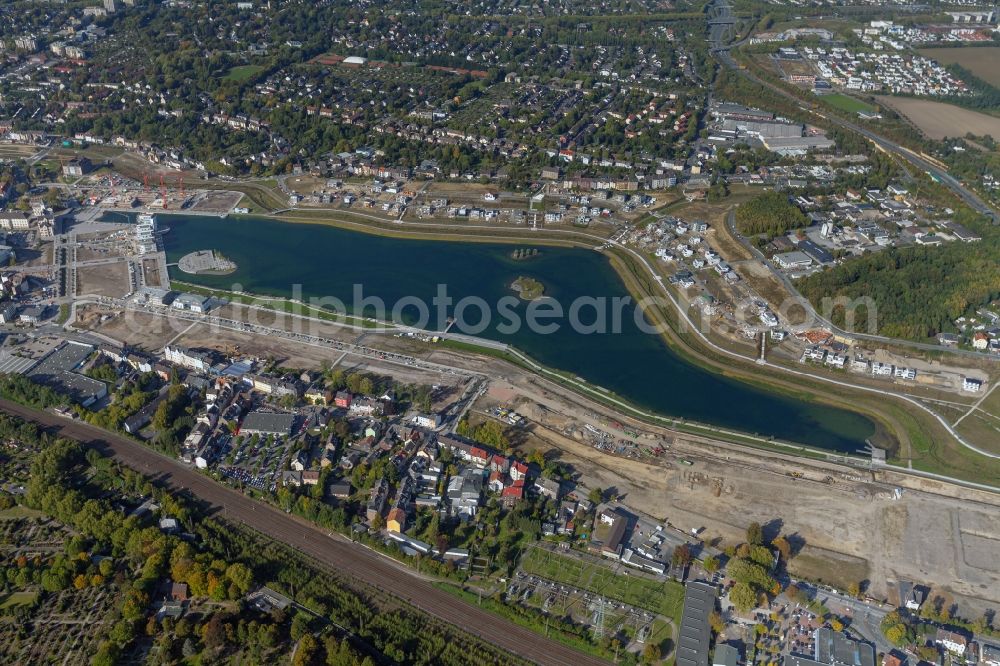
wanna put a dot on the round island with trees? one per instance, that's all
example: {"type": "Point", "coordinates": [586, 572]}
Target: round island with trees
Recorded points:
{"type": "Point", "coordinates": [528, 289]}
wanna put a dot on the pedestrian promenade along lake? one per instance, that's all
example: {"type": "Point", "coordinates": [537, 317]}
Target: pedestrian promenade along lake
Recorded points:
{"type": "Point", "coordinates": [272, 256]}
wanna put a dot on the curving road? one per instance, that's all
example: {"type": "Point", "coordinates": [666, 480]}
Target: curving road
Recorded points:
{"type": "Point", "coordinates": [683, 312]}
{"type": "Point", "coordinates": [347, 558]}
{"type": "Point", "coordinates": [814, 317]}
{"type": "Point", "coordinates": [720, 49]}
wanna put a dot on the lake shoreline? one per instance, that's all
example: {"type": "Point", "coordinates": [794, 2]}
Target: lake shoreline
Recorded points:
{"type": "Point", "coordinates": [825, 409]}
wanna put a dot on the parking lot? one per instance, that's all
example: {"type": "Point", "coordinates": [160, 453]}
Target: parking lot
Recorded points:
{"type": "Point", "coordinates": [255, 461]}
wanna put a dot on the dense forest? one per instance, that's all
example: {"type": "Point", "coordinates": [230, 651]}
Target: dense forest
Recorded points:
{"type": "Point", "coordinates": [770, 213]}
{"type": "Point", "coordinates": [917, 291]}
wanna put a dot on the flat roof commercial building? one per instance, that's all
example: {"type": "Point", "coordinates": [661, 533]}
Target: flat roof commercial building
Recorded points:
{"type": "Point", "coordinates": [794, 259]}
{"type": "Point", "coordinates": [797, 145]}
{"type": "Point", "coordinates": [765, 129]}
{"type": "Point", "coordinates": [57, 370]}
{"type": "Point", "coordinates": [266, 423]}
{"type": "Point", "coordinates": [815, 251]}
{"type": "Point", "coordinates": [695, 634]}
{"type": "Point", "coordinates": [191, 302]}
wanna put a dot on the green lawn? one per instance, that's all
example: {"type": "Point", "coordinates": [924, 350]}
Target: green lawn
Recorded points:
{"type": "Point", "coordinates": [22, 598]}
{"type": "Point", "coordinates": [847, 103]}
{"type": "Point", "coordinates": [666, 598]}
{"type": "Point", "coordinates": [243, 72]}
{"type": "Point", "coordinates": [19, 511]}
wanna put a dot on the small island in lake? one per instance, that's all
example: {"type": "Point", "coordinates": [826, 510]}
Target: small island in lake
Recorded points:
{"type": "Point", "coordinates": [528, 288]}
{"type": "Point", "coordinates": [523, 253]}
{"type": "Point", "coordinates": [206, 262]}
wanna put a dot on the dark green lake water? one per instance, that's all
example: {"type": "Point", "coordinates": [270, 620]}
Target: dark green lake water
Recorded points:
{"type": "Point", "coordinates": [274, 256]}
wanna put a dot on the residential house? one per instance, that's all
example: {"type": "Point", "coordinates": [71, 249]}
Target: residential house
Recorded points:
{"type": "Point", "coordinates": [377, 499]}
{"type": "Point", "coordinates": [551, 488]}
{"type": "Point", "coordinates": [396, 521]}
{"type": "Point", "coordinates": [954, 643]}
{"type": "Point", "coordinates": [343, 399]}
{"type": "Point", "coordinates": [479, 457]}
{"type": "Point", "coordinates": [512, 494]}
{"type": "Point", "coordinates": [340, 489]}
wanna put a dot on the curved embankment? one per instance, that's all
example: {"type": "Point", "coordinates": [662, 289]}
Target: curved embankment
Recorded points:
{"type": "Point", "coordinates": [919, 431]}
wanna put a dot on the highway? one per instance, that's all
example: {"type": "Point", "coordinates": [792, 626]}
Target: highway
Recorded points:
{"type": "Point", "coordinates": [718, 32]}
{"type": "Point", "coordinates": [346, 558]}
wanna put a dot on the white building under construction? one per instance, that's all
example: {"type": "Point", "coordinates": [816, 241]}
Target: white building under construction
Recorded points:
{"type": "Point", "coordinates": [145, 234]}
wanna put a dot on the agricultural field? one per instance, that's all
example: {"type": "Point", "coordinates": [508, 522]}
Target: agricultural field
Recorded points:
{"type": "Point", "coordinates": [981, 61]}
{"type": "Point", "coordinates": [847, 103]}
{"type": "Point", "coordinates": [939, 120]}
{"type": "Point", "coordinates": [665, 598]}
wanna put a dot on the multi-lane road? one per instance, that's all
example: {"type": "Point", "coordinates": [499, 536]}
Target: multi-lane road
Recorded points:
{"type": "Point", "coordinates": [346, 558]}
{"type": "Point", "coordinates": [719, 32]}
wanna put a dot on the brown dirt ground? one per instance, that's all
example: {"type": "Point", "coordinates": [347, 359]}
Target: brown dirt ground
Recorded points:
{"type": "Point", "coordinates": [103, 280]}
{"type": "Point", "coordinates": [980, 60]}
{"type": "Point", "coordinates": [844, 521]}
{"type": "Point", "coordinates": [939, 120]}
{"type": "Point", "coordinates": [217, 201]}
{"type": "Point", "coordinates": [151, 273]}
{"type": "Point", "coordinates": [89, 254]}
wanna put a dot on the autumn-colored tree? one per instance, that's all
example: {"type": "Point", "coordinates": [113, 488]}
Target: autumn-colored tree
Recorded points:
{"type": "Point", "coordinates": [241, 577]}
{"type": "Point", "coordinates": [716, 622]}
{"type": "Point", "coordinates": [306, 651]}
{"type": "Point", "coordinates": [213, 633]}
{"type": "Point", "coordinates": [743, 597]}
{"type": "Point", "coordinates": [136, 602]}
{"type": "Point", "coordinates": [783, 547]}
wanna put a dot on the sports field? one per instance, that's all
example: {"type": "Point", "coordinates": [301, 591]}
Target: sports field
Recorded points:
{"type": "Point", "coordinates": [243, 72]}
{"type": "Point", "coordinates": [980, 60]}
{"type": "Point", "coordinates": [846, 103]}
{"type": "Point", "coordinates": [665, 598]}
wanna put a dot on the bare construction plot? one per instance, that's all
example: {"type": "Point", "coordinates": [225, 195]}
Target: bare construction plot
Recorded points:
{"type": "Point", "coordinates": [219, 202]}
{"type": "Point", "coordinates": [847, 530]}
{"type": "Point", "coordinates": [103, 280]}
{"type": "Point", "coordinates": [845, 523]}
{"type": "Point", "coordinates": [151, 274]}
